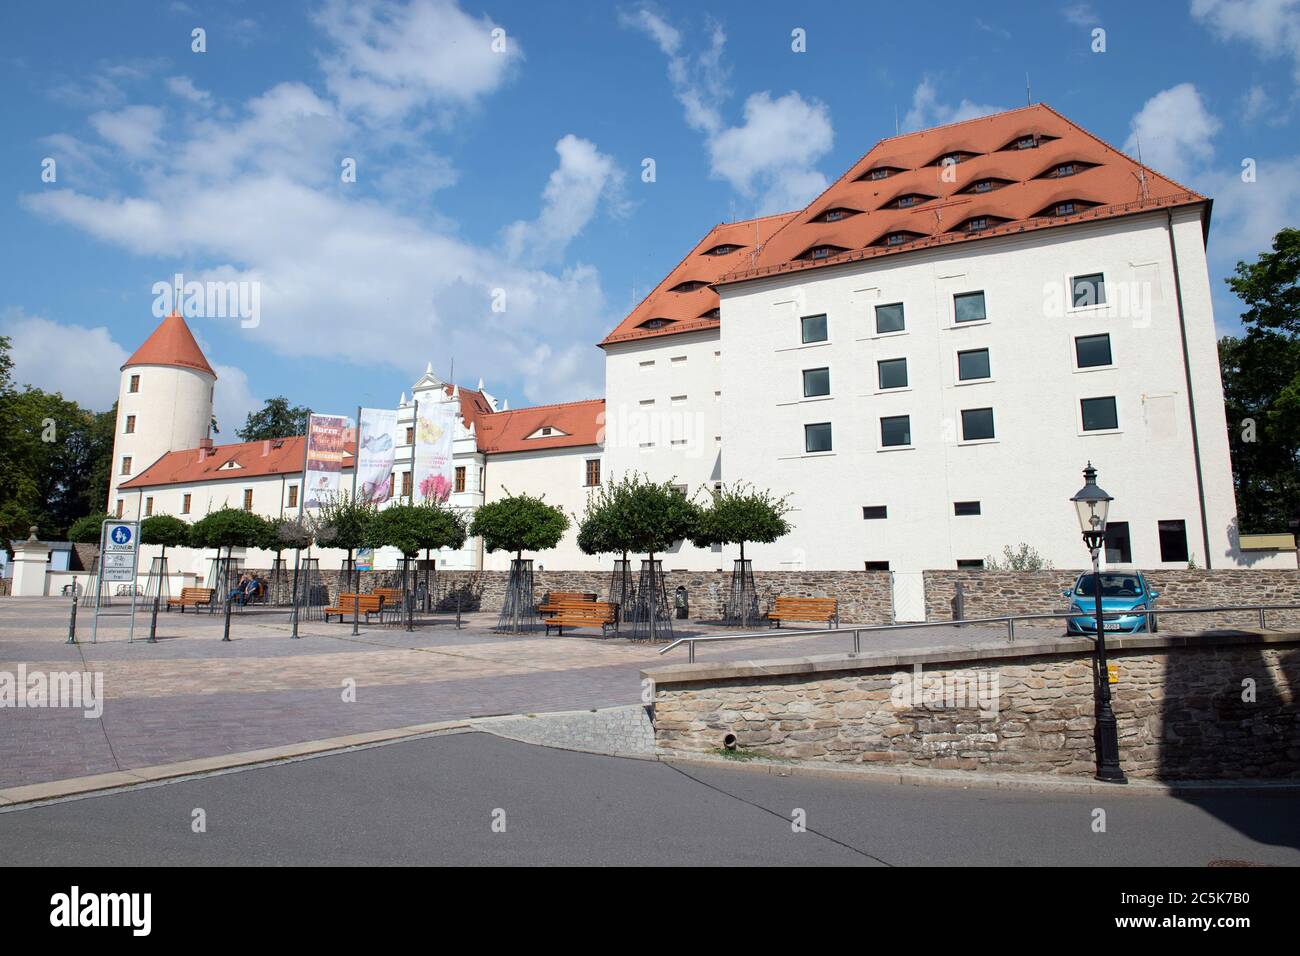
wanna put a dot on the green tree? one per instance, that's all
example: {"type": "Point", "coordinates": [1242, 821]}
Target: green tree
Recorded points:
{"type": "Point", "coordinates": [276, 419]}
{"type": "Point", "coordinates": [228, 528]}
{"type": "Point", "coordinates": [349, 519]}
{"type": "Point", "coordinates": [413, 528]}
{"type": "Point", "coordinates": [86, 529]}
{"type": "Point", "coordinates": [519, 523]}
{"type": "Point", "coordinates": [166, 530]}
{"type": "Point", "coordinates": [1261, 384]}
{"type": "Point", "coordinates": [740, 513]}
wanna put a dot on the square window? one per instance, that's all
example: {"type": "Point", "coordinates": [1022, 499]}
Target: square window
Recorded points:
{"type": "Point", "coordinates": [817, 437]}
{"type": "Point", "coordinates": [1088, 290]}
{"type": "Point", "coordinates": [1092, 350]}
{"type": "Point", "coordinates": [895, 430]}
{"type": "Point", "coordinates": [813, 328]}
{"type": "Point", "coordinates": [1173, 540]}
{"type": "Point", "coordinates": [973, 564]}
{"type": "Point", "coordinates": [816, 381]}
{"type": "Point", "coordinates": [1118, 550]}
{"type": "Point", "coordinates": [1099, 414]}
{"type": "Point", "coordinates": [963, 509]}
{"type": "Point", "coordinates": [875, 512]}
{"type": "Point", "coordinates": [969, 307]}
{"type": "Point", "coordinates": [976, 424]}
{"type": "Point", "coordinates": [875, 565]}
{"type": "Point", "coordinates": [972, 364]}
{"type": "Point", "coordinates": [893, 373]}
{"type": "Point", "coordinates": [889, 318]}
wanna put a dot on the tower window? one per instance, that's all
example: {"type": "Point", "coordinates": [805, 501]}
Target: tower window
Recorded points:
{"type": "Point", "coordinates": [135, 384]}
{"type": "Point", "coordinates": [410, 434]}
{"type": "Point", "coordinates": [459, 481]}
{"type": "Point", "coordinates": [126, 465]}
{"type": "Point", "coordinates": [130, 424]}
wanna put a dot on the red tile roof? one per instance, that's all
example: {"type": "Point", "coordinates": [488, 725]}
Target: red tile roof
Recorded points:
{"type": "Point", "coordinates": [583, 423]}
{"type": "Point", "coordinates": [689, 311]}
{"type": "Point", "coordinates": [172, 343]}
{"type": "Point", "coordinates": [1109, 185]}
{"type": "Point", "coordinates": [256, 459]}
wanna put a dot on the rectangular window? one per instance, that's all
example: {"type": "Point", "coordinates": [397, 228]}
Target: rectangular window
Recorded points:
{"type": "Point", "coordinates": [1118, 550]}
{"type": "Point", "coordinates": [593, 472]}
{"type": "Point", "coordinates": [875, 512]}
{"type": "Point", "coordinates": [678, 399]}
{"type": "Point", "coordinates": [816, 381]}
{"type": "Point", "coordinates": [972, 364]}
{"type": "Point", "coordinates": [677, 360]}
{"type": "Point", "coordinates": [248, 499]}
{"type": "Point", "coordinates": [119, 507]}
{"type": "Point", "coordinates": [813, 328]}
{"type": "Point", "coordinates": [406, 484]}
{"type": "Point", "coordinates": [459, 479]}
{"type": "Point", "coordinates": [130, 424]}
{"type": "Point", "coordinates": [965, 509]}
{"type": "Point", "coordinates": [889, 318]}
{"type": "Point", "coordinates": [293, 496]}
{"type": "Point", "coordinates": [1173, 540]}
{"type": "Point", "coordinates": [1092, 350]}
{"type": "Point", "coordinates": [1099, 414]}
{"type": "Point", "coordinates": [410, 434]}
{"type": "Point", "coordinates": [973, 564]}
{"type": "Point", "coordinates": [135, 384]}
{"type": "Point", "coordinates": [976, 424]}
{"type": "Point", "coordinates": [126, 465]}
{"type": "Point", "coordinates": [892, 373]}
{"type": "Point", "coordinates": [1088, 290]}
{"type": "Point", "coordinates": [969, 307]}
{"type": "Point", "coordinates": [185, 504]}
{"type": "Point", "coordinates": [817, 437]}
{"type": "Point", "coordinates": [875, 565]}
{"type": "Point", "coordinates": [896, 430]}
{"type": "Point", "coordinates": [148, 507]}
{"type": "Point", "coordinates": [646, 365]}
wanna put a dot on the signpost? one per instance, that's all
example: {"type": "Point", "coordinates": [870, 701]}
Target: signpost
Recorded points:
{"type": "Point", "coordinates": [119, 562]}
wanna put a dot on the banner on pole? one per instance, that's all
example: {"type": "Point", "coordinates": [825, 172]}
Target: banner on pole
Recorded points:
{"type": "Point", "coordinates": [435, 426]}
{"type": "Point", "coordinates": [327, 436]}
{"type": "Point", "coordinates": [376, 447]}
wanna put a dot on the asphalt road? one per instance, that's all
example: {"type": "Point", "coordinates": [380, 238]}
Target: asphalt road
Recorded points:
{"type": "Point", "coordinates": [434, 801]}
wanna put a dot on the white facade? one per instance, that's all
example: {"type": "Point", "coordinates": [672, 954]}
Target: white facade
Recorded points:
{"type": "Point", "coordinates": [559, 476]}
{"type": "Point", "coordinates": [1022, 477]}
{"type": "Point", "coordinates": [664, 398]}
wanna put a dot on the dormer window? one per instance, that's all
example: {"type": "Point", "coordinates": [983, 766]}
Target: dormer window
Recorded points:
{"type": "Point", "coordinates": [690, 285]}
{"type": "Point", "coordinates": [822, 251]}
{"type": "Point", "coordinates": [956, 156]}
{"type": "Point", "coordinates": [1026, 142]}
{"type": "Point", "coordinates": [836, 214]}
{"type": "Point", "coordinates": [897, 238]}
{"type": "Point", "coordinates": [879, 172]}
{"type": "Point", "coordinates": [726, 249]}
{"type": "Point", "coordinates": [906, 201]}
{"type": "Point", "coordinates": [979, 223]}
{"type": "Point", "coordinates": [655, 323]}
{"type": "Point", "coordinates": [986, 185]}
{"type": "Point", "coordinates": [1067, 207]}
{"type": "Point", "coordinates": [712, 314]}
{"type": "Point", "coordinates": [549, 431]}
{"type": "Point", "coordinates": [1061, 170]}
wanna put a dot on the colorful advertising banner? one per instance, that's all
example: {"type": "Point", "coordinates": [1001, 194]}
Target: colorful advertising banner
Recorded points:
{"type": "Point", "coordinates": [327, 436]}
{"type": "Point", "coordinates": [435, 426]}
{"type": "Point", "coordinates": [376, 446]}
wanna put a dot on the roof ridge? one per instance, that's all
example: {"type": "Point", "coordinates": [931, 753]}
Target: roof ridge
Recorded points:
{"type": "Point", "coordinates": [970, 119]}
{"type": "Point", "coordinates": [529, 408]}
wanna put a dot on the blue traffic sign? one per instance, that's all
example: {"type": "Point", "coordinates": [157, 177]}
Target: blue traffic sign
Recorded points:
{"type": "Point", "coordinates": [121, 534]}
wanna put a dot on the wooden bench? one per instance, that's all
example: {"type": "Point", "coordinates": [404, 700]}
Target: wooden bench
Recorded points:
{"type": "Point", "coordinates": [599, 614]}
{"type": "Point", "coordinates": [392, 602]}
{"type": "Point", "coordinates": [804, 609]}
{"type": "Point", "coordinates": [557, 599]}
{"type": "Point", "coordinates": [191, 597]}
{"type": "Point", "coordinates": [363, 605]}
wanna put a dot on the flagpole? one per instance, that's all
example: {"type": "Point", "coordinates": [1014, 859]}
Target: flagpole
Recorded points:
{"type": "Point", "coordinates": [302, 501]}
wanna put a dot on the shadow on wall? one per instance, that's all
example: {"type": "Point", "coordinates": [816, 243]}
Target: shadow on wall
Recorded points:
{"type": "Point", "coordinates": [1234, 714]}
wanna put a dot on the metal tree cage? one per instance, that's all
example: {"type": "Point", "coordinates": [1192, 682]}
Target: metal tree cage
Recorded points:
{"type": "Point", "coordinates": [519, 609]}
{"type": "Point", "coordinates": [742, 600]}
{"type": "Point", "coordinates": [652, 620]}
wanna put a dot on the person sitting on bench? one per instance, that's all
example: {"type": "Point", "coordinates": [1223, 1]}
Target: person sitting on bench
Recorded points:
{"type": "Point", "coordinates": [240, 589]}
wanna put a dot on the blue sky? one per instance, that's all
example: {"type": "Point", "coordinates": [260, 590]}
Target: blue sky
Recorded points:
{"type": "Point", "coordinates": [520, 168]}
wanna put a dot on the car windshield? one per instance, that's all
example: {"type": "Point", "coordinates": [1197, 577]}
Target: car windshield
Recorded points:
{"type": "Point", "coordinates": [1112, 585]}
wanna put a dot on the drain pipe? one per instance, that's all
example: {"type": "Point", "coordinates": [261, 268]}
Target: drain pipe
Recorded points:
{"type": "Point", "coordinates": [1191, 398]}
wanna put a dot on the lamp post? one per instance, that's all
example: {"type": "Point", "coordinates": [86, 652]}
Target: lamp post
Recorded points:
{"type": "Point", "coordinates": [1092, 505]}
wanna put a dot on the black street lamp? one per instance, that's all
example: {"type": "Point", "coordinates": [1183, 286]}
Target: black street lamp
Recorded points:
{"type": "Point", "coordinates": [1092, 505]}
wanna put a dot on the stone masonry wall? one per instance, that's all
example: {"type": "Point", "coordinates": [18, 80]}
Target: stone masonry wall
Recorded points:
{"type": "Point", "coordinates": [1180, 711]}
{"type": "Point", "coordinates": [993, 593]}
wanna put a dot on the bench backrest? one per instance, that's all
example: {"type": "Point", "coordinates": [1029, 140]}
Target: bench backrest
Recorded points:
{"type": "Point", "coordinates": [790, 604]}
{"type": "Point", "coordinates": [587, 611]}
{"type": "Point", "coordinates": [196, 594]}
{"type": "Point", "coordinates": [561, 597]}
{"type": "Point", "coordinates": [364, 602]}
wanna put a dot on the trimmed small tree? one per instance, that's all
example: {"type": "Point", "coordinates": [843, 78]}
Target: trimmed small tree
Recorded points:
{"type": "Point", "coordinates": [598, 533]}
{"type": "Point", "coordinates": [736, 514]}
{"type": "Point", "coordinates": [86, 529]}
{"type": "Point", "coordinates": [519, 523]}
{"type": "Point", "coordinates": [411, 528]}
{"type": "Point", "coordinates": [650, 518]}
{"type": "Point", "coordinates": [168, 531]}
{"type": "Point", "coordinates": [348, 519]}
{"type": "Point", "coordinates": [228, 528]}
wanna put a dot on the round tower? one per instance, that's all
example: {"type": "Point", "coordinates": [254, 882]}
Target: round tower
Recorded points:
{"type": "Point", "coordinates": [164, 403]}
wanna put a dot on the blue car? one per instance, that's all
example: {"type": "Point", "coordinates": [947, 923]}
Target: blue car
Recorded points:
{"type": "Point", "coordinates": [1120, 591]}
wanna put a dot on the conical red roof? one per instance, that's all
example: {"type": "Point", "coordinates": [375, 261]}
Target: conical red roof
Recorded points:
{"type": "Point", "coordinates": [172, 343]}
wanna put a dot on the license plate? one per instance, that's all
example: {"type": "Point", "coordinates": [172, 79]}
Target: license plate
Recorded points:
{"type": "Point", "coordinates": [1113, 626]}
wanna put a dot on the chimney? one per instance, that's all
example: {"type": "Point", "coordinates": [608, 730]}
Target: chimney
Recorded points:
{"type": "Point", "coordinates": [266, 447]}
{"type": "Point", "coordinates": [205, 448]}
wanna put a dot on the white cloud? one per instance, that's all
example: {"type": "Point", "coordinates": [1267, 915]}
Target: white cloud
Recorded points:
{"type": "Point", "coordinates": [1080, 14]}
{"type": "Point", "coordinates": [927, 111]}
{"type": "Point", "coordinates": [1248, 214]}
{"type": "Point", "coordinates": [1174, 131]}
{"type": "Point", "coordinates": [391, 59]}
{"type": "Point", "coordinates": [1271, 26]}
{"type": "Point", "coordinates": [232, 402]}
{"type": "Point", "coordinates": [134, 130]}
{"type": "Point", "coordinates": [78, 361]}
{"type": "Point", "coordinates": [569, 202]}
{"type": "Point", "coordinates": [770, 157]}
{"type": "Point", "coordinates": [184, 87]}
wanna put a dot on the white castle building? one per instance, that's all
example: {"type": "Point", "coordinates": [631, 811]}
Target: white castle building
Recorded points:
{"type": "Point", "coordinates": [924, 358]}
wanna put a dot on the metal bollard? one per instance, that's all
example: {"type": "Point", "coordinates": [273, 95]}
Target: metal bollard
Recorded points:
{"type": "Point", "coordinates": [153, 622]}
{"type": "Point", "coordinates": [226, 635]}
{"type": "Point", "coordinates": [72, 621]}
{"type": "Point", "coordinates": [458, 610]}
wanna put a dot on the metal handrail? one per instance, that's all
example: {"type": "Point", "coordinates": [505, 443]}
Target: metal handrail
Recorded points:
{"type": "Point", "coordinates": [1008, 619]}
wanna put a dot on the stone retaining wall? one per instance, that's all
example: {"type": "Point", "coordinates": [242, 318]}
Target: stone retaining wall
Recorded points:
{"type": "Point", "coordinates": [1180, 704]}
{"type": "Point", "coordinates": [994, 593]}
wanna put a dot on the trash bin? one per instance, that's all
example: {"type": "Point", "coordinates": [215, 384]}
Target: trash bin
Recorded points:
{"type": "Point", "coordinates": [681, 603]}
